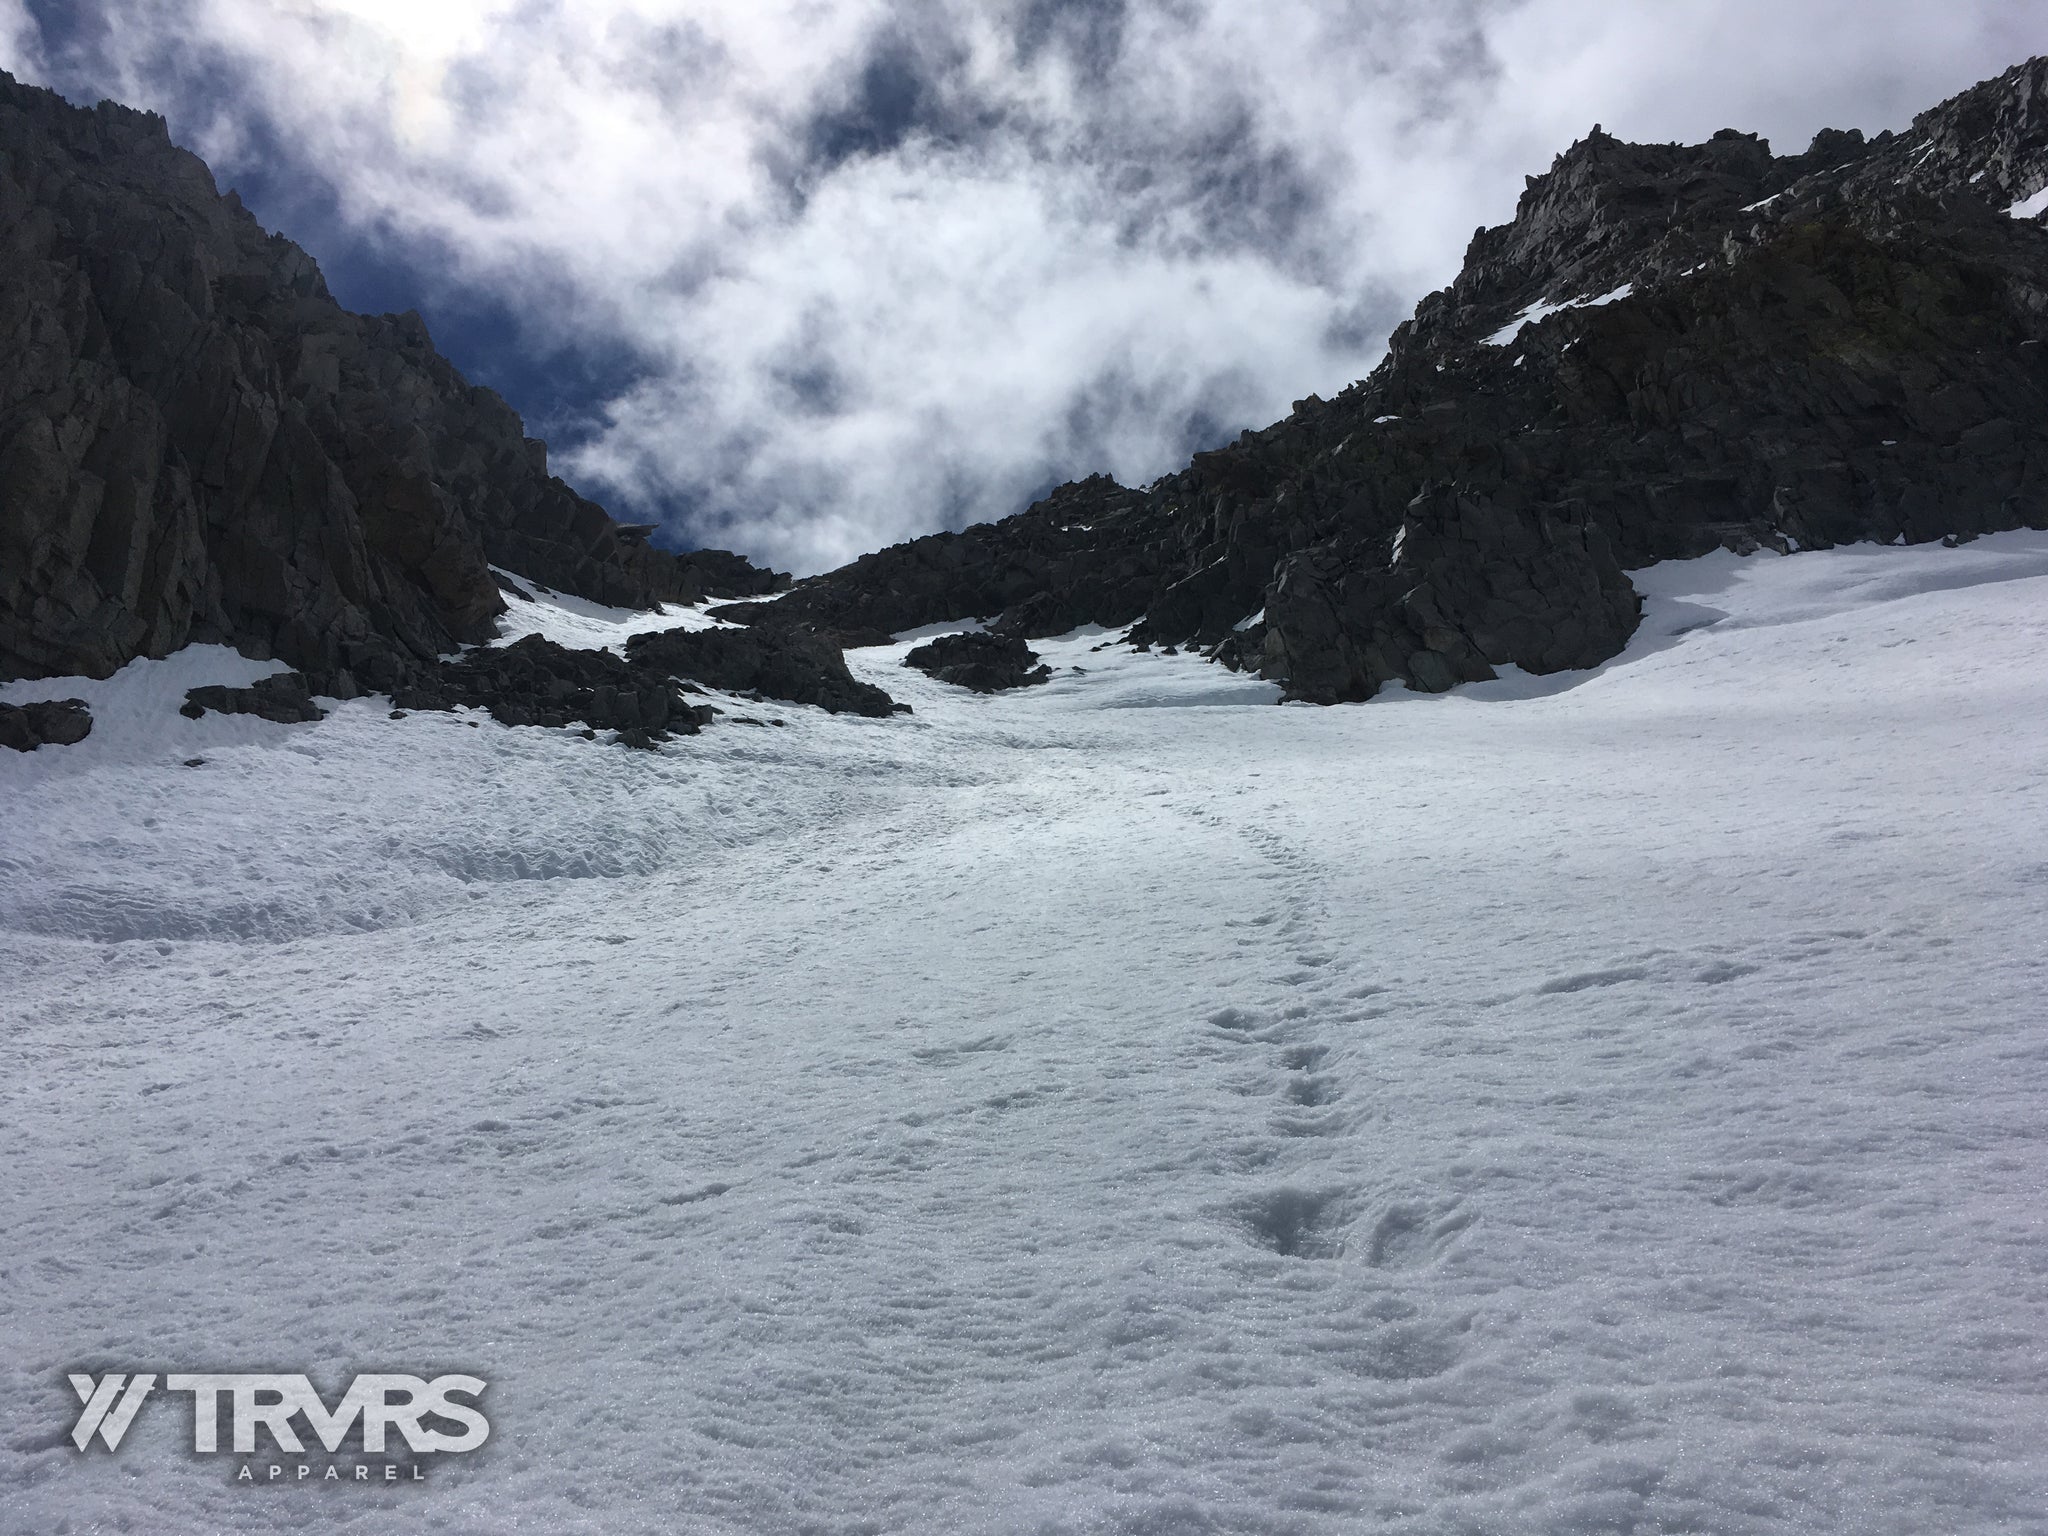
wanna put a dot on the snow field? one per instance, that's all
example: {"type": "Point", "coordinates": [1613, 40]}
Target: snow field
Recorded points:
{"type": "Point", "coordinates": [1605, 1102]}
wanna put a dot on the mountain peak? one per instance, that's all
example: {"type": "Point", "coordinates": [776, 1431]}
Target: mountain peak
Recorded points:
{"type": "Point", "coordinates": [1668, 349]}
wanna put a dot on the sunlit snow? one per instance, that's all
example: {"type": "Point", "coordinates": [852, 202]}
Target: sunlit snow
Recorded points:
{"type": "Point", "coordinates": [532, 609]}
{"type": "Point", "coordinates": [1601, 1102]}
{"type": "Point", "coordinates": [2030, 207]}
{"type": "Point", "coordinates": [1546, 309]}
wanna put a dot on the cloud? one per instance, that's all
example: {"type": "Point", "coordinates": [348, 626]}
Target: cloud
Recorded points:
{"type": "Point", "coordinates": [853, 271]}
{"type": "Point", "coordinates": [21, 53]}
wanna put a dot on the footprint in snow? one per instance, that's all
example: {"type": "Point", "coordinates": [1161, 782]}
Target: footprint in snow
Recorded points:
{"type": "Point", "coordinates": [693, 1196]}
{"type": "Point", "coordinates": [943, 1055]}
{"type": "Point", "coordinates": [1409, 1235]}
{"type": "Point", "coordinates": [1311, 1091]}
{"type": "Point", "coordinates": [1302, 1127]}
{"type": "Point", "coordinates": [1296, 1223]}
{"type": "Point", "coordinates": [1723, 970]}
{"type": "Point", "coordinates": [1581, 981]}
{"type": "Point", "coordinates": [1240, 1022]}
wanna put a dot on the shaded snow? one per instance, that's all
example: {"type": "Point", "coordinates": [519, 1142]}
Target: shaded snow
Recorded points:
{"type": "Point", "coordinates": [1600, 1102]}
{"type": "Point", "coordinates": [933, 631]}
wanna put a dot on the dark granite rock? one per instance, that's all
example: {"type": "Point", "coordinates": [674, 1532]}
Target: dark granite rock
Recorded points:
{"type": "Point", "coordinates": [45, 722]}
{"type": "Point", "coordinates": [796, 665]}
{"type": "Point", "coordinates": [640, 696]}
{"type": "Point", "coordinates": [284, 697]}
{"type": "Point", "coordinates": [534, 681]}
{"type": "Point", "coordinates": [983, 662]}
{"type": "Point", "coordinates": [1064, 563]}
{"type": "Point", "coordinates": [1723, 348]}
{"type": "Point", "coordinates": [198, 443]}
{"type": "Point", "coordinates": [1790, 352]}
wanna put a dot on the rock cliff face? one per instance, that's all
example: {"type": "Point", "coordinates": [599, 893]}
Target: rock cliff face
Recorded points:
{"type": "Point", "coordinates": [1669, 349]}
{"type": "Point", "coordinates": [198, 443]}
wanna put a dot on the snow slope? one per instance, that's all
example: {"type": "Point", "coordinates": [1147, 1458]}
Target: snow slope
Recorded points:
{"type": "Point", "coordinates": [1609, 1102]}
{"type": "Point", "coordinates": [1544, 309]}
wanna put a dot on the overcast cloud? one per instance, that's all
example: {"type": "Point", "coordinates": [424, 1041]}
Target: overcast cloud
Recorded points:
{"type": "Point", "coordinates": [820, 276]}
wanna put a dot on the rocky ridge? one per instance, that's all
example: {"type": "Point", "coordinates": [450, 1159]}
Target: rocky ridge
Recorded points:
{"type": "Point", "coordinates": [640, 696]}
{"type": "Point", "coordinates": [198, 443]}
{"type": "Point", "coordinates": [1669, 349]}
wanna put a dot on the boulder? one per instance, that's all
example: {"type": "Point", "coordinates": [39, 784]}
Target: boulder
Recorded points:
{"type": "Point", "coordinates": [534, 681]}
{"type": "Point", "coordinates": [979, 661]}
{"type": "Point", "coordinates": [284, 697]}
{"type": "Point", "coordinates": [797, 665]}
{"type": "Point", "coordinates": [44, 723]}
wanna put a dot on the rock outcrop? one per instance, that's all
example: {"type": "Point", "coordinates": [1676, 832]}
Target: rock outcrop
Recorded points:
{"type": "Point", "coordinates": [198, 443]}
{"type": "Point", "coordinates": [979, 661]}
{"type": "Point", "coordinates": [44, 723]}
{"type": "Point", "coordinates": [800, 667]}
{"type": "Point", "coordinates": [537, 682]}
{"type": "Point", "coordinates": [1671, 348]}
{"type": "Point", "coordinates": [640, 696]}
{"type": "Point", "coordinates": [284, 697]}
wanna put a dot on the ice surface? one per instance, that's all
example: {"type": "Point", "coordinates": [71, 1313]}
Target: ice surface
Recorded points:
{"type": "Point", "coordinates": [1601, 1102]}
{"type": "Point", "coordinates": [2030, 207]}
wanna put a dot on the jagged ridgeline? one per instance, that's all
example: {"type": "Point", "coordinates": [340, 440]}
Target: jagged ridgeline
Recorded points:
{"type": "Point", "coordinates": [1671, 348]}
{"type": "Point", "coordinates": [1668, 350]}
{"type": "Point", "coordinates": [198, 443]}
